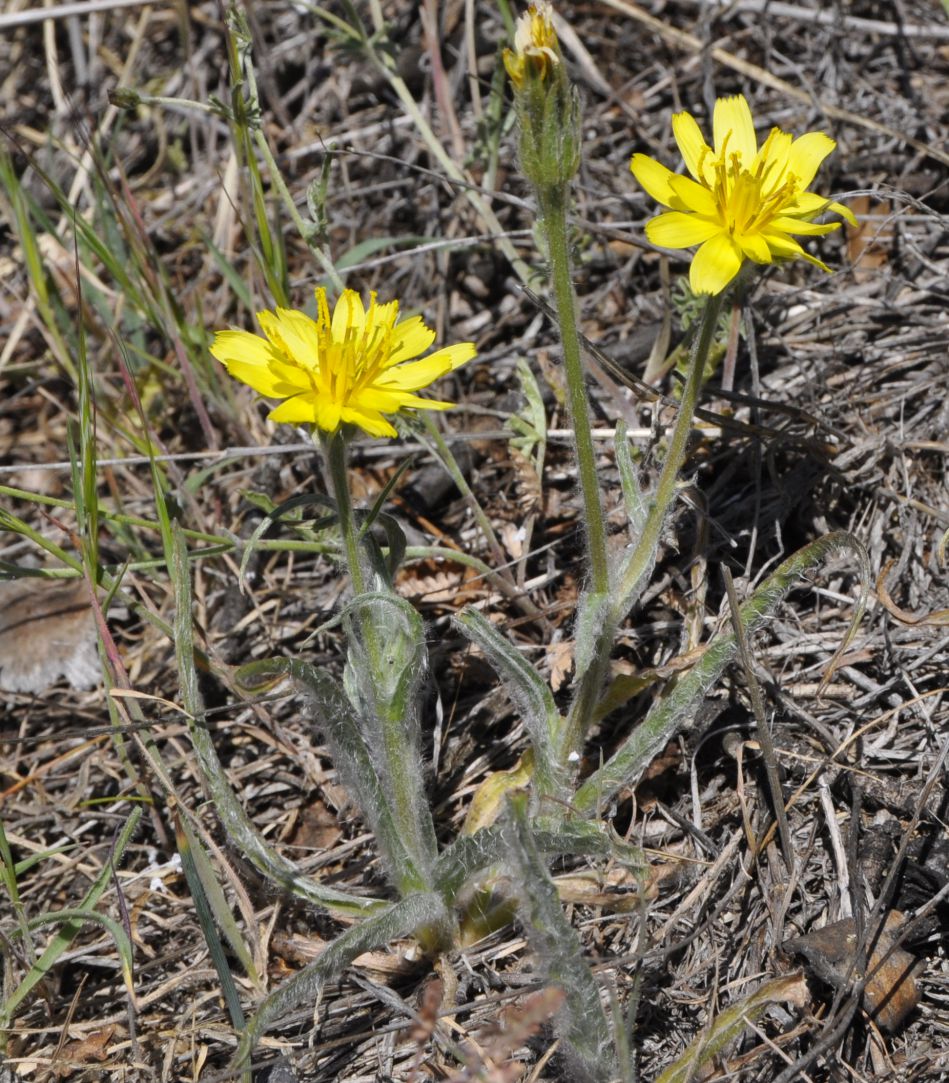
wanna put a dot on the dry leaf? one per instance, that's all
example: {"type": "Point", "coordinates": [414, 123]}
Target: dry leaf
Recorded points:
{"type": "Point", "coordinates": [619, 890]}
{"type": "Point", "coordinates": [890, 993]}
{"type": "Point", "coordinates": [430, 1000]}
{"type": "Point", "coordinates": [315, 828]}
{"type": "Point", "coordinates": [76, 1055]}
{"type": "Point", "coordinates": [489, 797]}
{"type": "Point", "coordinates": [47, 631]}
{"type": "Point", "coordinates": [303, 950]}
{"type": "Point", "coordinates": [560, 660]}
{"type": "Point", "coordinates": [439, 582]}
{"type": "Point", "coordinates": [939, 616]}
{"type": "Point", "coordinates": [512, 538]}
{"type": "Point", "coordinates": [729, 1025]}
{"type": "Point", "coordinates": [530, 492]}
{"type": "Point", "coordinates": [489, 1057]}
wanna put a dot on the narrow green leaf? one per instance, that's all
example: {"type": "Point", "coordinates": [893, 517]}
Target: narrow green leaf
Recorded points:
{"type": "Point", "coordinates": [730, 1023]}
{"type": "Point", "coordinates": [528, 692]}
{"type": "Point", "coordinates": [229, 272]}
{"type": "Point", "coordinates": [530, 422]}
{"type": "Point", "coordinates": [675, 712]}
{"type": "Point", "coordinates": [367, 249]}
{"type": "Point", "coordinates": [593, 632]}
{"type": "Point", "coordinates": [584, 1026]}
{"type": "Point", "coordinates": [8, 876]}
{"type": "Point", "coordinates": [302, 500]}
{"type": "Point", "coordinates": [188, 847]}
{"type": "Point", "coordinates": [73, 921]}
{"type": "Point", "coordinates": [375, 743]}
{"type": "Point", "coordinates": [633, 497]}
{"type": "Point", "coordinates": [238, 826]}
{"type": "Point", "coordinates": [200, 870]}
{"type": "Point", "coordinates": [304, 988]}
{"type": "Point", "coordinates": [469, 855]}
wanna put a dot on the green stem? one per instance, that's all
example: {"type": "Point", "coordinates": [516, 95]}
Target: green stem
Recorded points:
{"type": "Point", "coordinates": [553, 205]}
{"type": "Point", "coordinates": [305, 231]}
{"type": "Point", "coordinates": [675, 457]}
{"type": "Point", "coordinates": [407, 811]}
{"type": "Point", "coordinates": [405, 800]}
{"type": "Point", "coordinates": [334, 448]}
{"type": "Point", "coordinates": [583, 708]}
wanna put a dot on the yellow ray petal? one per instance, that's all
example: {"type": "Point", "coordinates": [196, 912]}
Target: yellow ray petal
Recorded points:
{"type": "Point", "coordinates": [371, 421]}
{"type": "Point", "coordinates": [783, 247]}
{"type": "Point", "coordinates": [654, 177]}
{"type": "Point", "coordinates": [270, 325]}
{"type": "Point", "coordinates": [410, 338]}
{"type": "Point", "coordinates": [383, 399]}
{"type": "Point", "coordinates": [269, 380]}
{"type": "Point", "coordinates": [807, 205]}
{"type": "Point", "coordinates": [349, 315]}
{"type": "Point", "coordinates": [245, 347]}
{"type": "Point", "coordinates": [454, 356]}
{"type": "Point", "coordinates": [734, 130]}
{"type": "Point", "coordinates": [294, 332]}
{"type": "Point", "coordinates": [754, 246]}
{"type": "Point", "coordinates": [413, 375]}
{"type": "Point", "coordinates": [805, 229]}
{"type": "Point", "coordinates": [677, 230]}
{"type": "Point", "coordinates": [695, 151]}
{"type": "Point", "coordinates": [375, 340]}
{"type": "Point", "coordinates": [772, 161]}
{"type": "Point", "coordinates": [806, 154]}
{"type": "Point", "coordinates": [301, 409]}
{"type": "Point", "coordinates": [714, 265]}
{"type": "Point", "coordinates": [416, 402]}
{"type": "Point", "coordinates": [817, 262]}
{"type": "Point", "coordinates": [329, 414]}
{"type": "Point", "coordinates": [844, 212]}
{"type": "Point", "coordinates": [692, 196]}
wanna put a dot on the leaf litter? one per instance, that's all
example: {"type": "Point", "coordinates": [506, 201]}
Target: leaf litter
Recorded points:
{"type": "Point", "coordinates": [839, 421]}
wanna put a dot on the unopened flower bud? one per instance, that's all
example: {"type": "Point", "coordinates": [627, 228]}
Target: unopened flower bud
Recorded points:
{"type": "Point", "coordinates": [536, 50]}
{"type": "Point", "coordinates": [547, 104]}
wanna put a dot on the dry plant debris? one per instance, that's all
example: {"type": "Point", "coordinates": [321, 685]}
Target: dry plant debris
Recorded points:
{"type": "Point", "coordinates": [838, 418]}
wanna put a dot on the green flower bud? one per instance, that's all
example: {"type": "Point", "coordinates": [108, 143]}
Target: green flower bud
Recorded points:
{"type": "Point", "coordinates": [547, 103]}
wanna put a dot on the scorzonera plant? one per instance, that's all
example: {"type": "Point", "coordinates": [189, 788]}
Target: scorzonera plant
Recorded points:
{"type": "Point", "coordinates": [353, 367]}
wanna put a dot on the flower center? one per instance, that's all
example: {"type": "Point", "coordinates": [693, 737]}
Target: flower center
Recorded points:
{"type": "Point", "coordinates": [747, 201]}
{"type": "Point", "coordinates": [352, 363]}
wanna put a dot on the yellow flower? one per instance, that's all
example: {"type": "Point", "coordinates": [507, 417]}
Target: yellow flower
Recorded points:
{"type": "Point", "coordinates": [741, 202]}
{"type": "Point", "coordinates": [536, 48]}
{"type": "Point", "coordinates": [350, 368]}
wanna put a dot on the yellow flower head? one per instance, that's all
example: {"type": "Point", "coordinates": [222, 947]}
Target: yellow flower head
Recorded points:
{"type": "Point", "coordinates": [741, 202]}
{"type": "Point", "coordinates": [348, 368]}
{"type": "Point", "coordinates": [536, 48]}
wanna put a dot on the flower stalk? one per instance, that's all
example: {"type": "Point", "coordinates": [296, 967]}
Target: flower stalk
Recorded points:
{"type": "Point", "coordinates": [678, 446]}
{"type": "Point", "coordinates": [583, 709]}
{"type": "Point", "coordinates": [553, 204]}
{"type": "Point", "coordinates": [334, 451]}
{"type": "Point", "coordinates": [346, 369]}
{"type": "Point", "coordinates": [548, 111]}
{"type": "Point", "coordinates": [384, 679]}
